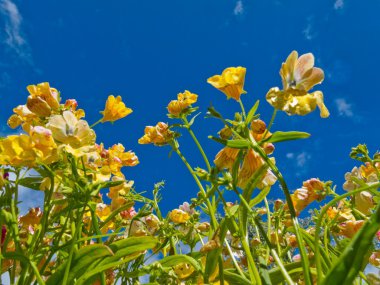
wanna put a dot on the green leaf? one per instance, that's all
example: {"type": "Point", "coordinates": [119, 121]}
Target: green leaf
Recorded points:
{"type": "Point", "coordinates": [286, 136]}
{"type": "Point", "coordinates": [276, 276]}
{"type": "Point", "coordinates": [31, 182]}
{"type": "Point", "coordinates": [233, 278]}
{"type": "Point", "coordinates": [347, 267]}
{"type": "Point", "coordinates": [252, 112]}
{"type": "Point", "coordinates": [260, 197]}
{"type": "Point", "coordinates": [264, 272]}
{"type": "Point", "coordinates": [82, 259]}
{"type": "Point", "coordinates": [170, 261]}
{"type": "Point", "coordinates": [125, 250]}
{"type": "Point", "coordinates": [240, 144]}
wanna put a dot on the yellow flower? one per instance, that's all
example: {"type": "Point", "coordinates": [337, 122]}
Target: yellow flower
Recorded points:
{"type": "Point", "coordinates": [42, 99]}
{"type": "Point", "coordinates": [298, 76]}
{"type": "Point", "coordinates": [115, 109]}
{"type": "Point", "coordinates": [158, 135]}
{"type": "Point", "coordinates": [184, 100]}
{"type": "Point", "coordinates": [178, 216]}
{"type": "Point", "coordinates": [43, 141]}
{"type": "Point", "coordinates": [311, 190]}
{"type": "Point", "coordinates": [183, 270]}
{"type": "Point", "coordinates": [68, 130]}
{"type": "Point", "coordinates": [230, 82]}
{"type": "Point", "coordinates": [226, 158]}
{"type": "Point", "coordinates": [187, 98]}
{"type": "Point", "coordinates": [17, 151]}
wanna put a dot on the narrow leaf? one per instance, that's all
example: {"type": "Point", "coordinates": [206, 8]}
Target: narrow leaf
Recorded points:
{"type": "Point", "coordinates": [286, 136]}
{"type": "Point", "coordinates": [252, 112]}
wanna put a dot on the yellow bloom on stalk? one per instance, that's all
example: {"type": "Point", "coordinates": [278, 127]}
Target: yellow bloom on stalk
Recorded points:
{"type": "Point", "coordinates": [75, 134]}
{"type": "Point", "coordinates": [298, 76]}
{"type": "Point", "coordinates": [115, 109]}
{"type": "Point", "coordinates": [32, 218]}
{"type": "Point", "coordinates": [42, 99]}
{"type": "Point", "coordinates": [178, 216]}
{"type": "Point", "coordinates": [184, 100]}
{"type": "Point", "coordinates": [158, 135]}
{"type": "Point", "coordinates": [230, 82]}
{"type": "Point", "coordinates": [43, 141]}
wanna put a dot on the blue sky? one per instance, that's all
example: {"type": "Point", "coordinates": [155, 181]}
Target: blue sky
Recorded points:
{"type": "Point", "coordinates": [148, 51]}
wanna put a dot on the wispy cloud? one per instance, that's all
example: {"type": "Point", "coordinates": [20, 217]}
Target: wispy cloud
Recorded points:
{"type": "Point", "coordinates": [344, 108]}
{"type": "Point", "coordinates": [339, 4]}
{"type": "Point", "coordinates": [309, 31]}
{"type": "Point", "coordinates": [302, 158]}
{"type": "Point", "coordinates": [14, 38]}
{"type": "Point", "coordinates": [239, 8]}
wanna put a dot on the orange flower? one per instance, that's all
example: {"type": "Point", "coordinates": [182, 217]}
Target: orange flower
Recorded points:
{"type": "Point", "coordinates": [230, 82]}
{"type": "Point", "coordinates": [158, 135]}
{"type": "Point", "coordinates": [32, 218]}
{"type": "Point", "coordinates": [298, 76]}
{"type": "Point", "coordinates": [115, 109]}
{"type": "Point", "coordinates": [311, 190]}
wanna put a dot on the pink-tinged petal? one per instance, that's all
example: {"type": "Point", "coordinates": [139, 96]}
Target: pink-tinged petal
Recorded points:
{"type": "Point", "coordinates": [287, 69]}
{"type": "Point", "coordinates": [315, 77]}
{"type": "Point", "coordinates": [304, 64]}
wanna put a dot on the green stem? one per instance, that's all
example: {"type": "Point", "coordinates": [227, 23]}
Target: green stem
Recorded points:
{"type": "Point", "coordinates": [73, 243]}
{"type": "Point", "coordinates": [270, 122]}
{"type": "Point", "coordinates": [97, 122]}
{"type": "Point", "coordinates": [242, 108]}
{"type": "Point", "coordinates": [187, 125]}
{"type": "Point", "coordinates": [284, 186]}
{"type": "Point", "coordinates": [319, 222]}
{"type": "Point", "coordinates": [282, 267]}
{"type": "Point", "coordinates": [214, 223]}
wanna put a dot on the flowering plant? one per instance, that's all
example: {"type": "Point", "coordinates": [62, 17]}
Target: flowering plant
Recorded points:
{"type": "Point", "coordinates": [80, 237]}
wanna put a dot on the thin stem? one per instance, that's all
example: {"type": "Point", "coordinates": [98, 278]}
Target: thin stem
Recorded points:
{"type": "Point", "coordinates": [270, 122]}
{"type": "Point", "coordinates": [282, 267]}
{"type": "Point", "coordinates": [73, 242]}
{"type": "Point", "coordinates": [97, 122]}
{"type": "Point", "coordinates": [214, 223]}
{"type": "Point", "coordinates": [197, 143]}
{"type": "Point", "coordinates": [242, 108]}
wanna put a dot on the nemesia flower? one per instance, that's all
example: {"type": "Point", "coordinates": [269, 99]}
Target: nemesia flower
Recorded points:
{"type": "Point", "coordinates": [183, 270]}
{"type": "Point", "coordinates": [32, 218]}
{"type": "Point", "coordinates": [115, 109]}
{"type": "Point", "coordinates": [311, 190]}
{"type": "Point", "coordinates": [44, 142]}
{"type": "Point", "coordinates": [128, 214]}
{"type": "Point", "coordinates": [298, 76]}
{"type": "Point", "coordinates": [158, 135]}
{"type": "Point", "coordinates": [73, 133]}
{"type": "Point", "coordinates": [210, 245]}
{"type": "Point", "coordinates": [184, 100]}
{"type": "Point", "coordinates": [24, 117]}
{"type": "Point", "coordinates": [42, 99]}
{"type": "Point", "coordinates": [186, 208]}
{"type": "Point", "coordinates": [152, 223]}
{"type": "Point", "coordinates": [350, 228]}
{"type": "Point", "coordinates": [17, 151]}
{"type": "Point", "coordinates": [178, 216]}
{"type": "Point", "coordinates": [363, 200]}
{"type": "Point", "coordinates": [374, 259]}
{"type": "Point", "coordinates": [203, 227]}
{"type": "Point", "coordinates": [230, 82]}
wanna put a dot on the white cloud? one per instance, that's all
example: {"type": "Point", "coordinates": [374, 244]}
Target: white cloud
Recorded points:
{"type": "Point", "coordinates": [290, 155]}
{"type": "Point", "coordinates": [309, 31]}
{"type": "Point", "coordinates": [339, 4]}
{"type": "Point", "coordinates": [14, 38]}
{"type": "Point", "coordinates": [239, 8]}
{"type": "Point", "coordinates": [302, 158]}
{"type": "Point", "coordinates": [344, 108]}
